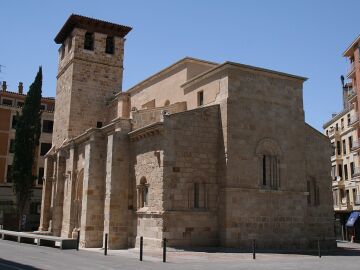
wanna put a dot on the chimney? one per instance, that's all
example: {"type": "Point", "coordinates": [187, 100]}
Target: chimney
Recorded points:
{"type": "Point", "coordinates": [20, 88]}
{"type": "Point", "coordinates": [4, 86]}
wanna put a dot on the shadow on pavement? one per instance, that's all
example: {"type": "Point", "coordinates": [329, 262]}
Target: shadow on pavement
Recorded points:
{"type": "Point", "coordinates": [9, 265]}
{"type": "Point", "coordinates": [339, 251]}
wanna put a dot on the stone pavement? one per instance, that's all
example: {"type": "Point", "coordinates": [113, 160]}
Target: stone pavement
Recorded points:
{"type": "Point", "coordinates": [24, 256]}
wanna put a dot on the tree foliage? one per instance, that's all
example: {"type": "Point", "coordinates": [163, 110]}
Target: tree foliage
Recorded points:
{"type": "Point", "coordinates": [28, 130]}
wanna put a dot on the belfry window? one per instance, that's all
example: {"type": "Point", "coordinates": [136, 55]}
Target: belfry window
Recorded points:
{"type": "Point", "coordinates": [89, 41]}
{"type": "Point", "coordinates": [109, 46]}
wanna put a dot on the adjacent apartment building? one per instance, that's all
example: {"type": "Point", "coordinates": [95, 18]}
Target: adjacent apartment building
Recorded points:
{"type": "Point", "coordinates": [343, 132]}
{"type": "Point", "coordinates": [201, 153]}
{"type": "Point", "coordinates": [11, 104]}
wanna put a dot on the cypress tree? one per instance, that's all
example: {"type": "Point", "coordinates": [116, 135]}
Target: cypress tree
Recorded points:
{"type": "Point", "coordinates": [28, 130]}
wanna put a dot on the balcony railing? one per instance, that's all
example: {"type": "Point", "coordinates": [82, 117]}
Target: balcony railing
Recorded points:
{"type": "Point", "coordinates": [357, 200]}
{"type": "Point", "coordinates": [351, 93]}
{"type": "Point", "coordinates": [351, 68]}
{"type": "Point", "coordinates": [355, 145]}
{"type": "Point", "coordinates": [354, 118]}
{"type": "Point", "coordinates": [356, 172]}
{"type": "Point", "coordinates": [333, 132]}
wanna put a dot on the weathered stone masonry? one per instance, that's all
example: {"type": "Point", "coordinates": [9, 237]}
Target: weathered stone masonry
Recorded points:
{"type": "Point", "coordinates": [201, 153]}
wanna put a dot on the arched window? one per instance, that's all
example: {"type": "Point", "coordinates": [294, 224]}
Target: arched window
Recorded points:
{"type": "Point", "coordinates": [269, 154]}
{"type": "Point", "coordinates": [143, 191]}
{"type": "Point", "coordinates": [109, 46]}
{"type": "Point", "coordinates": [89, 41]}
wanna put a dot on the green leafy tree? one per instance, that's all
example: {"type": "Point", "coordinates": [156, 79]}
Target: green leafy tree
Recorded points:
{"type": "Point", "coordinates": [28, 130]}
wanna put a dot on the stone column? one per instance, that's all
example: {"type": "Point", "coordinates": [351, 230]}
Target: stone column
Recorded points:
{"type": "Point", "coordinates": [92, 214]}
{"type": "Point", "coordinates": [68, 221]}
{"type": "Point", "coordinates": [46, 194]}
{"type": "Point", "coordinates": [117, 186]}
{"type": "Point", "coordinates": [58, 203]}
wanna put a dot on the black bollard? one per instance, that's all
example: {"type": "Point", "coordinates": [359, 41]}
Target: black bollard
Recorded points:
{"type": "Point", "coordinates": [78, 241]}
{"type": "Point", "coordinates": [141, 248]}
{"type": "Point", "coordinates": [254, 249]}
{"type": "Point", "coordinates": [164, 250]}
{"type": "Point", "coordinates": [106, 244]}
{"type": "Point", "coordinates": [319, 249]}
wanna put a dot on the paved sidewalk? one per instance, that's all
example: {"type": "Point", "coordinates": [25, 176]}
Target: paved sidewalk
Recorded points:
{"type": "Point", "coordinates": [23, 256]}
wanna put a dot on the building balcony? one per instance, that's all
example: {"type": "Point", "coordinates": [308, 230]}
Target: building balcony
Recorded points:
{"type": "Point", "coordinates": [352, 94]}
{"type": "Point", "coordinates": [356, 173]}
{"type": "Point", "coordinates": [351, 70]}
{"type": "Point", "coordinates": [338, 182]}
{"type": "Point", "coordinates": [357, 200]}
{"type": "Point", "coordinates": [355, 146]}
{"type": "Point", "coordinates": [344, 205]}
{"type": "Point", "coordinates": [333, 132]}
{"type": "Point", "coordinates": [354, 119]}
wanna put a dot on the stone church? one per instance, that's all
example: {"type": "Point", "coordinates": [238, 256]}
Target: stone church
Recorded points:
{"type": "Point", "coordinates": [201, 153]}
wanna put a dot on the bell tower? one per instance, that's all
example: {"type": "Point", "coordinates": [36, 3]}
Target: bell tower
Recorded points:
{"type": "Point", "coordinates": [90, 72]}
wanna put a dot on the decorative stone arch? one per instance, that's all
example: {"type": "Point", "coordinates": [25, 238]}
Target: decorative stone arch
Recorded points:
{"type": "Point", "coordinates": [142, 193]}
{"type": "Point", "coordinates": [269, 156]}
{"type": "Point", "coordinates": [268, 146]}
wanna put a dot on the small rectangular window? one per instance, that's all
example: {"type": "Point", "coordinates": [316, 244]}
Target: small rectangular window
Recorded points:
{"type": "Point", "coordinates": [338, 146]}
{"type": "Point", "coordinates": [14, 122]}
{"type": "Point", "coordinates": [48, 126]}
{"type": "Point", "coordinates": [345, 172]}
{"type": "Point", "coordinates": [89, 41]}
{"type": "Point", "coordinates": [44, 148]}
{"type": "Point", "coordinates": [12, 146]}
{"type": "Point", "coordinates": [340, 170]}
{"type": "Point", "coordinates": [196, 195]}
{"type": "Point", "coordinates": [43, 107]}
{"type": "Point", "coordinates": [9, 174]}
{"type": "Point", "coordinates": [109, 46]}
{"type": "Point", "coordinates": [350, 142]}
{"type": "Point", "coordinates": [70, 43]}
{"type": "Point", "coordinates": [201, 98]}
{"type": "Point", "coordinates": [308, 189]}
{"type": "Point", "coordinates": [40, 176]}
{"type": "Point", "coordinates": [344, 147]}
{"type": "Point", "coordinates": [348, 119]}
{"type": "Point", "coordinates": [99, 124]}
{"type": "Point", "coordinates": [62, 51]}
{"type": "Point", "coordinates": [352, 170]}
{"type": "Point", "coordinates": [7, 102]}
{"type": "Point", "coordinates": [20, 104]}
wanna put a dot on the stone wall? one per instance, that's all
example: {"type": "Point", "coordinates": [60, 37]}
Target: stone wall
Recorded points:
{"type": "Point", "coordinates": [92, 215]}
{"type": "Point", "coordinates": [191, 157]}
{"type": "Point", "coordinates": [117, 215]}
{"type": "Point", "coordinates": [147, 167]}
{"type": "Point", "coordinates": [320, 212]}
{"type": "Point", "coordinates": [145, 117]}
{"type": "Point", "coordinates": [87, 81]}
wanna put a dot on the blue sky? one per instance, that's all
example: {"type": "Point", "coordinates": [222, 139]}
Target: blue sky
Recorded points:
{"type": "Point", "coordinates": [304, 37]}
